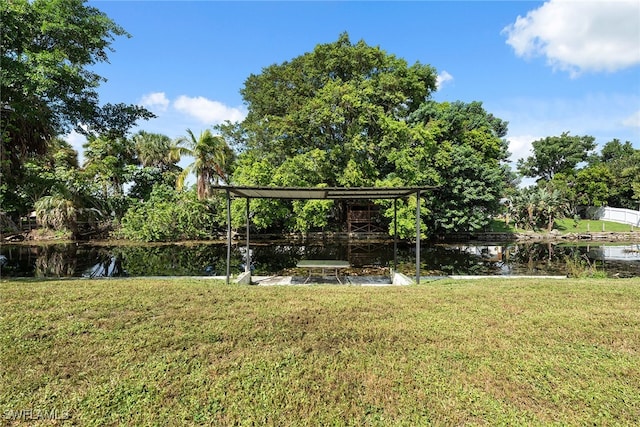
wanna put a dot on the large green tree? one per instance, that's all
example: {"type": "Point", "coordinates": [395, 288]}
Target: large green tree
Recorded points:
{"type": "Point", "coordinates": [611, 177]}
{"type": "Point", "coordinates": [158, 156]}
{"type": "Point", "coordinates": [48, 87]}
{"type": "Point", "coordinates": [556, 154]}
{"type": "Point", "coordinates": [464, 148]}
{"type": "Point", "coordinates": [622, 163]}
{"type": "Point", "coordinates": [109, 160]}
{"type": "Point", "coordinates": [327, 117]}
{"type": "Point", "coordinates": [340, 99]}
{"type": "Point", "coordinates": [156, 150]}
{"type": "Point", "coordinates": [106, 163]}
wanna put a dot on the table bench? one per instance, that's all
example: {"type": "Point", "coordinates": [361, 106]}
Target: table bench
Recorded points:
{"type": "Point", "coordinates": [322, 264]}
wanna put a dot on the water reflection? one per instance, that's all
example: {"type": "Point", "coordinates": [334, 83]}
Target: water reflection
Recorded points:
{"type": "Point", "coordinates": [86, 260]}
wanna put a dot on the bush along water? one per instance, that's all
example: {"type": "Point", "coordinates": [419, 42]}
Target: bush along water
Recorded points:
{"type": "Point", "coordinates": [580, 266]}
{"type": "Point", "coordinates": [169, 215]}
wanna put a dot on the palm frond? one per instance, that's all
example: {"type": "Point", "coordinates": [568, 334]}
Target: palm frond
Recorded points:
{"type": "Point", "coordinates": [182, 176]}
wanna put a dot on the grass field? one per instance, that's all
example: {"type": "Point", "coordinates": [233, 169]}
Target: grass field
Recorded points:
{"type": "Point", "coordinates": [192, 352]}
{"type": "Point", "coordinates": [584, 226]}
{"type": "Point", "coordinates": [566, 225]}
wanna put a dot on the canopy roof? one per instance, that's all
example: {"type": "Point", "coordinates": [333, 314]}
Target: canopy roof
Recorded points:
{"type": "Point", "coordinates": [330, 193]}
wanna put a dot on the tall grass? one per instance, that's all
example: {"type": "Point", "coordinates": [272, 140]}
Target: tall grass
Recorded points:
{"type": "Point", "coordinates": [191, 352]}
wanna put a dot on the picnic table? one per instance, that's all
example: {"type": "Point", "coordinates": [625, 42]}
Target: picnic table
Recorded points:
{"type": "Point", "coordinates": [314, 265]}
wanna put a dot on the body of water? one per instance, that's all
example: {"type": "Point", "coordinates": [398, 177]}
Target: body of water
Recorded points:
{"type": "Point", "coordinates": [209, 259]}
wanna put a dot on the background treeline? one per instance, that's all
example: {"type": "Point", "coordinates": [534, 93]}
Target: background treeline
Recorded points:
{"type": "Point", "coordinates": [344, 114]}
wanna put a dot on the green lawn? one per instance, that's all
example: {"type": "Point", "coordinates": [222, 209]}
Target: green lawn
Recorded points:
{"type": "Point", "coordinates": [583, 226]}
{"type": "Point", "coordinates": [190, 352]}
{"type": "Point", "coordinates": [567, 225]}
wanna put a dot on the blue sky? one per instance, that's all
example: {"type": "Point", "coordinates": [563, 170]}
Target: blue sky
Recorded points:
{"type": "Point", "coordinates": [545, 67]}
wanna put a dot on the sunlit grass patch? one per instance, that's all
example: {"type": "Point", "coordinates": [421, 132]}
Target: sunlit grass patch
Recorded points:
{"type": "Point", "coordinates": [148, 352]}
{"type": "Point", "coordinates": [589, 225]}
{"type": "Point", "coordinates": [567, 225]}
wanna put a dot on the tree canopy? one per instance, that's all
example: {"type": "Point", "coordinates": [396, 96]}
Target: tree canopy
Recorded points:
{"type": "Point", "coordinates": [339, 99]}
{"type": "Point", "coordinates": [556, 154]}
{"type": "Point", "coordinates": [212, 160]}
{"type": "Point", "coordinates": [344, 114]}
{"type": "Point", "coordinates": [349, 114]}
{"type": "Point", "coordinates": [467, 159]}
{"type": "Point", "coordinates": [572, 175]}
{"type": "Point", "coordinates": [622, 163]}
{"type": "Point", "coordinates": [47, 86]}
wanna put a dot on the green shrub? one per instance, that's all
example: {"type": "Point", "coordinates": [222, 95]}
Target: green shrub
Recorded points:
{"type": "Point", "coordinates": [168, 216]}
{"type": "Point", "coordinates": [580, 267]}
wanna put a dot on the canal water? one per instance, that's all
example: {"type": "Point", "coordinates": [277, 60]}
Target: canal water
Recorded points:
{"type": "Point", "coordinates": [209, 259]}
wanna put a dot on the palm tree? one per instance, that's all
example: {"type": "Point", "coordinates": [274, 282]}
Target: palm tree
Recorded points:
{"type": "Point", "coordinates": [531, 205]}
{"type": "Point", "coordinates": [212, 158]}
{"type": "Point", "coordinates": [523, 207]}
{"type": "Point", "coordinates": [156, 150]}
{"type": "Point", "coordinates": [64, 212]}
{"type": "Point", "coordinates": [106, 160]}
{"type": "Point", "coordinates": [535, 206]}
{"type": "Point", "coordinates": [57, 212]}
{"type": "Point", "coordinates": [552, 205]}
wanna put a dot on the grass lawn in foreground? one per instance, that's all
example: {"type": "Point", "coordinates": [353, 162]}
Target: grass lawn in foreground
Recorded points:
{"type": "Point", "coordinates": [190, 352]}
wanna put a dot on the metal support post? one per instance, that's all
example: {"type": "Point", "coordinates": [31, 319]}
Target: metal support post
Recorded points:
{"type": "Point", "coordinates": [228, 236]}
{"type": "Point", "coordinates": [418, 237]}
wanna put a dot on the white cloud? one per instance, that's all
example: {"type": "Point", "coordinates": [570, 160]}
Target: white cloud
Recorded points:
{"type": "Point", "coordinates": [207, 111]}
{"type": "Point", "coordinates": [155, 100]}
{"type": "Point", "coordinates": [597, 115]}
{"type": "Point", "coordinates": [520, 146]}
{"type": "Point", "coordinates": [633, 121]}
{"type": "Point", "coordinates": [603, 116]}
{"type": "Point", "coordinates": [443, 77]}
{"type": "Point", "coordinates": [579, 36]}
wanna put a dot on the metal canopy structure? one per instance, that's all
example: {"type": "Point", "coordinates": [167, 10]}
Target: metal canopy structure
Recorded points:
{"type": "Point", "coordinates": [322, 193]}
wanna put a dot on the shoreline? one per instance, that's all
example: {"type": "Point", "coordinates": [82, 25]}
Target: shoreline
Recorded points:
{"type": "Point", "coordinates": [484, 237]}
{"type": "Point", "coordinates": [551, 237]}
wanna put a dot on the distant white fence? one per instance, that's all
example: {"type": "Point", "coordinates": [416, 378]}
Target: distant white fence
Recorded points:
{"type": "Point", "coordinates": [624, 216]}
